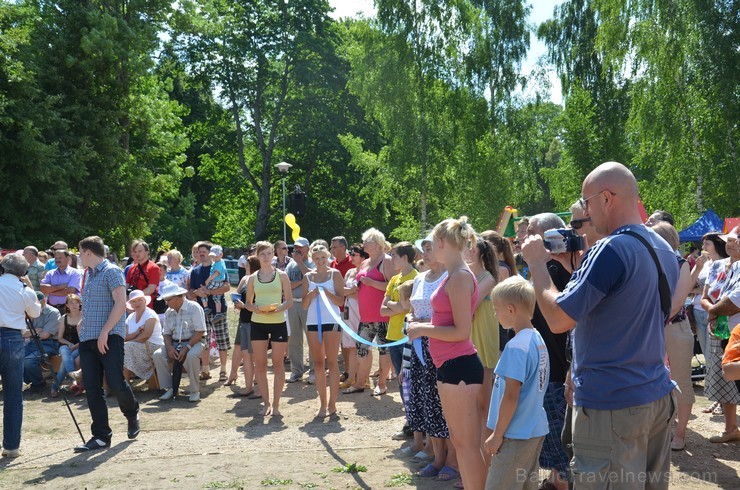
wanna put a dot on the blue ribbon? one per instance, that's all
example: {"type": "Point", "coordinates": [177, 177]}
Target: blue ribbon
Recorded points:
{"type": "Point", "coordinates": [351, 332]}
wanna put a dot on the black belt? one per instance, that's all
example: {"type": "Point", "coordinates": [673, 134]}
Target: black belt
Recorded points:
{"type": "Point", "coordinates": [10, 329]}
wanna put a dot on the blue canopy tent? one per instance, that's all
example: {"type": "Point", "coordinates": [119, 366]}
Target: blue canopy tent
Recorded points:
{"type": "Point", "coordinates": [707, 223]}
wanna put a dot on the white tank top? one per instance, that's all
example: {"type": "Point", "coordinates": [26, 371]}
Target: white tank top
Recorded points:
{"type": "Point", "coordinates": [312, 318]}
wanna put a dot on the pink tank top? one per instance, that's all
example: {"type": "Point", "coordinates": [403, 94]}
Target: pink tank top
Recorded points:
{"type": "Point", "coordinates": [370, 298]}
{"type": "Point", "coordinates": [440, 350]}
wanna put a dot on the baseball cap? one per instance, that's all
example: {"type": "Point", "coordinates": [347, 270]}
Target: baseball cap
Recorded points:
{"type": "Point", "coordinates": [301, 242]}
{"type": "Point", "coordinates": [216, 250]}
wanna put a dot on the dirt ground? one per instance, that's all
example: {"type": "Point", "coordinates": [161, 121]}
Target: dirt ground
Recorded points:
{"type": "Point", "coordinates": [222, 442]}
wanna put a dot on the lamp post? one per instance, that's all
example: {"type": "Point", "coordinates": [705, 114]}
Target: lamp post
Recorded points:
{"type": "Point", "coordinates": [283, 167]}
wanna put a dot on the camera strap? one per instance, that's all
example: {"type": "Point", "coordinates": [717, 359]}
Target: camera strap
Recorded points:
{"type": "Point", "coordinates": [663, 288]}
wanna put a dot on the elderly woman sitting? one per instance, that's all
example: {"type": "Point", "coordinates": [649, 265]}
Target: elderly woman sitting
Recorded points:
{"type": "Point", "coordinates": [143, 336]}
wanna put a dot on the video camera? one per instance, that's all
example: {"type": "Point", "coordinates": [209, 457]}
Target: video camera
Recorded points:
{"type": "Point", "coordinates": [561, 240]}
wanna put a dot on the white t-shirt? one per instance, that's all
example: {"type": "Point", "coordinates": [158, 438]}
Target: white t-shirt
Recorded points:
{"type": "Point", "coordinates": [132, 325]}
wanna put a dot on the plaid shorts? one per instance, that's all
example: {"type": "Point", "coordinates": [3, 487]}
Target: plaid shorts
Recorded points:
{"type": "Point", "coordinates": [220, 329]}
{"type": "Point", "coordinates": [553, 455]}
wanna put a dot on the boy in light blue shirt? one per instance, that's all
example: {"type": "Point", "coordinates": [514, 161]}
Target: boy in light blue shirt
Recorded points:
{"type": "Point", "coordinates": [516, 414]}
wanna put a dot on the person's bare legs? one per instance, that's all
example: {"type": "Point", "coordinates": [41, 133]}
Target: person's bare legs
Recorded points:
{"type": "Point", "coordinates": [317, 352]}
{"type": "Point", "coordinates": [331, 348]}
{"type": "Point", "coordinates": [384, 362]}
{"type": "Point", "coordinates": [278, 370]}
{"type": "Point", "coordinates": [460, 408]}
{"type": "Point", "coordinates": [439, 448]}
{"type": "Point", "coordinates": [451, 459]}
{"type": "Point", "coordinates": [364, 364]}
{"type": "Point", "coordinates": [236, 358]}
{"type": "Point", "coordinates": [248, 368]}
{"type": "Point", "coordinates": [349, 354]}
{"type": "Point", "coordinates": [683, 414]}
{"type": "Point", "coordinates": [259, 353]}
{"type": "Point", "coordinates": [730, 414]}
{"type": "Point", "coordinates": [484, 401]}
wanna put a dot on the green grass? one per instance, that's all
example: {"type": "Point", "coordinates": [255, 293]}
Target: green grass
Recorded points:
{"type": "Point", "coordinates": [269, 482]}
{"type": "Point", "coordinates": [400, 480]}
{"type": "Point", "coordinates": [223, 484]}
{"type": "Point", "coordinates": [350, 468]}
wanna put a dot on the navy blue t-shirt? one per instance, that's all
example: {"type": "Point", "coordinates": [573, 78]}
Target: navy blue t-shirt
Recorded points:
{"type": "Point", "coordinates": [619, 339]}
{"type": "Point", "coordinates": [198, 276]}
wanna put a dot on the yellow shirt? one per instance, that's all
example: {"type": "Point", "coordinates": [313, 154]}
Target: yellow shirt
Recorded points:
{"type": "Point", "coordinates": [395, 324]}
{"type": "Point", "coordinates": [268, 293]}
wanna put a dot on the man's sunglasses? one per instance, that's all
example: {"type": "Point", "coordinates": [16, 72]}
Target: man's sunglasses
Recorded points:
{"type": "Point", "coordinates": [576, 224]}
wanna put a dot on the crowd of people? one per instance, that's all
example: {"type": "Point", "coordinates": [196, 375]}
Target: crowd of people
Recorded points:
{"type": "Point", "coordinates": [509, 358]}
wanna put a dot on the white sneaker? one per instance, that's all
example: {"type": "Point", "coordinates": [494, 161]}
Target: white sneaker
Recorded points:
{"type": "Point", "coordinates": [194, 397]}
{"type": "Point", "coordinates": [167, 395]}
{"type": "Point", "coordinates": [11, 453]}
{"type": "Point", "coordinates": [311, 379]}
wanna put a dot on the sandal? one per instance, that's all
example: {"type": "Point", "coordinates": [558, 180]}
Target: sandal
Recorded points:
{"type": "Point", "coordinates": [711, 408]}
{"type": "Point", "coordinates": [459, 485]}
{"type": "Point", "coordinates": [352, 389]}
{"type": "Point", "coordinates": [222, 376]}
{"type": "Point", "coordinates": [448, 473]}
{"type": "Point", "coordinates": [422, 457]}
{"type": "Point", "coordinates": [428, 471]}
{"type": "Point", "coordinates": [379, 391]}
{"type": "Point", "coordinates": [204, 375]}
{"type": "Point", "coordinates": [343, 377]}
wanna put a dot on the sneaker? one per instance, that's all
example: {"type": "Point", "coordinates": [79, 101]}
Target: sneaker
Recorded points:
{"type": "Point", "coordinates": [167, 395]}
{"type": "Point", "coordinates": [194, 397]}
{"type": "Point", "coordinates": [294, 378]}
{"type": "Point", "coordinates": [311, 379]}
{"type": "Point", "coordinates": [92, 445]}
{"type": "Point", "coordinates": [133, 426]}
{"type": "Point", "coordinates": [403, 434]}
{"type": "Point", "coordinates": [11, 453]}
{"type": "Point", "coordinates": [54, 390]}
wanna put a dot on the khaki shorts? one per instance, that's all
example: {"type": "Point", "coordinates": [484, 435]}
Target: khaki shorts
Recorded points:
{"type": "Point", "coordinates": [516, 465]}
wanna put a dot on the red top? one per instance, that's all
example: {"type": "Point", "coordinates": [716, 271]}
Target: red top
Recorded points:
{"type": "Point", "coordinates": [343, 266]}
{"type": "Point", "coordinates": [441, 350]}
{"type": "Point", "coordinates": [370, 298]}
{"type": "Point", "coordinates": [140, 281]}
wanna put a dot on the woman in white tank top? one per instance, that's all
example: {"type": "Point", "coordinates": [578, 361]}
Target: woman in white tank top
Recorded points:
{"type": "Point", "coordinates": [331, 282]}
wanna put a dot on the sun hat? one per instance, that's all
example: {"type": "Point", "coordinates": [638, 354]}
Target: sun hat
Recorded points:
{"type": "Point", "coordinates": [216, 250]}
{"type": "Point", "coordinates": [171, 289]}
{"type": "Point", "coordinates": [732, 234]}
{"type": "Point", "coordinates": [135, 294]}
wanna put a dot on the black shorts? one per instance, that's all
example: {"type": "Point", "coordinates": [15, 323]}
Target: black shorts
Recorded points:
{"type": "Point", "coordinates": [325, 327]}
{"type": "Point", "coordinates": [275, 332]}
{"type": "Point", "coordinates": [468, 369]}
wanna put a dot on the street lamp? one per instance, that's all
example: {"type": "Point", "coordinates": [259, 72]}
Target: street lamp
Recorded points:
{"type": "Point", "coordinates": [283, 167]}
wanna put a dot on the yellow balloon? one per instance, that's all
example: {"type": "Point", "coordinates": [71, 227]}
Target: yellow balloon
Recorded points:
{"type": "Point", "coordinates": [290, 221]}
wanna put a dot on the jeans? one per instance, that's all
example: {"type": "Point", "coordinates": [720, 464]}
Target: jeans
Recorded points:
{"type": "Point", "coordinates": [702, 320]}
{"type": "Point", "coordinates": [94, 366]}
{"type": "Point", "coordinates": [32, 362]}
{"type": "Point", "coordinates": [396, 353]}
{"type": "Point", "coordinates": [68, 362]}
{"type": "Point", "coordinates": [11, 370]}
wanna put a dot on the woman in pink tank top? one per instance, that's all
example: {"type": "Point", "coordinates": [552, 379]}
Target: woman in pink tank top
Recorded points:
{"type": "Point", "coordinates": [372, 280]}
{"type": "Point", "coordinates": [459, 370]}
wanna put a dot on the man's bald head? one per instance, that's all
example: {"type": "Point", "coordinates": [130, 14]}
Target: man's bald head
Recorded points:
{"type": "Point", "coordinates": [615, 177]}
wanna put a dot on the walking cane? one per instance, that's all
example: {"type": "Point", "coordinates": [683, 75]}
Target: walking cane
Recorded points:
{"type": "Point", "coordinates": [45, 360]}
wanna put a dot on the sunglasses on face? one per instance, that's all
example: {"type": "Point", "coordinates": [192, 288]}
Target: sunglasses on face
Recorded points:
{"type": "Point", "coordinates": [576, 224]}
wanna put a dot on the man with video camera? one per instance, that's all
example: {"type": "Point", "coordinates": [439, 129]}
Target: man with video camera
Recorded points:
{"type": "Point", "coordinates": [17, 299]}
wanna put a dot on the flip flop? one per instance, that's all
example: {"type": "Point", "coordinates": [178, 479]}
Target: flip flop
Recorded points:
{"type": "Point", "coordinates": [459, 485]}
{"type": "Point", "coordinates": [352, 389]}
{"type": "Point", "coordinates": [421, 457]}
{"type": "Point", "coordinates": [448, 473]}
{"type": "Point", "coordinates": [428, 471]}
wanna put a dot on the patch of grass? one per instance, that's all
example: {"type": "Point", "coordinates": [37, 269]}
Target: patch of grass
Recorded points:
{"type": "Point", "coordinates": [321, 475]}
{"type": "Point", "coordinates": [350, 468]}
{"type": "Point", "coordinates": [269, 482]}
{"type": "Point", "coordinates": [308, 484]}
{"type": "Point", "coordinates": [224, 484]}
{"type": "Point", "coordinates": [400, 480]}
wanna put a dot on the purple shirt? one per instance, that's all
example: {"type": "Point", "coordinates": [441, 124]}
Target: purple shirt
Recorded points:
{"type": "Point", "coordinates": [70, 277]}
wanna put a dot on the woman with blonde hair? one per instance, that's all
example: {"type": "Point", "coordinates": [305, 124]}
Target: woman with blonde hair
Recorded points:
{"type": "Point", "coordinates": [459, 370]}
{"type": "Point", "coordinates": [268, 297]}
{"type": "Point", "coordinates": [320, 316]}
{"type": "Point", "coordinates": [372, 280]}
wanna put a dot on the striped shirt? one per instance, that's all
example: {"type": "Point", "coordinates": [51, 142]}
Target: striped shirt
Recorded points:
{"type": "Point", "coordinates": [97, 301]}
